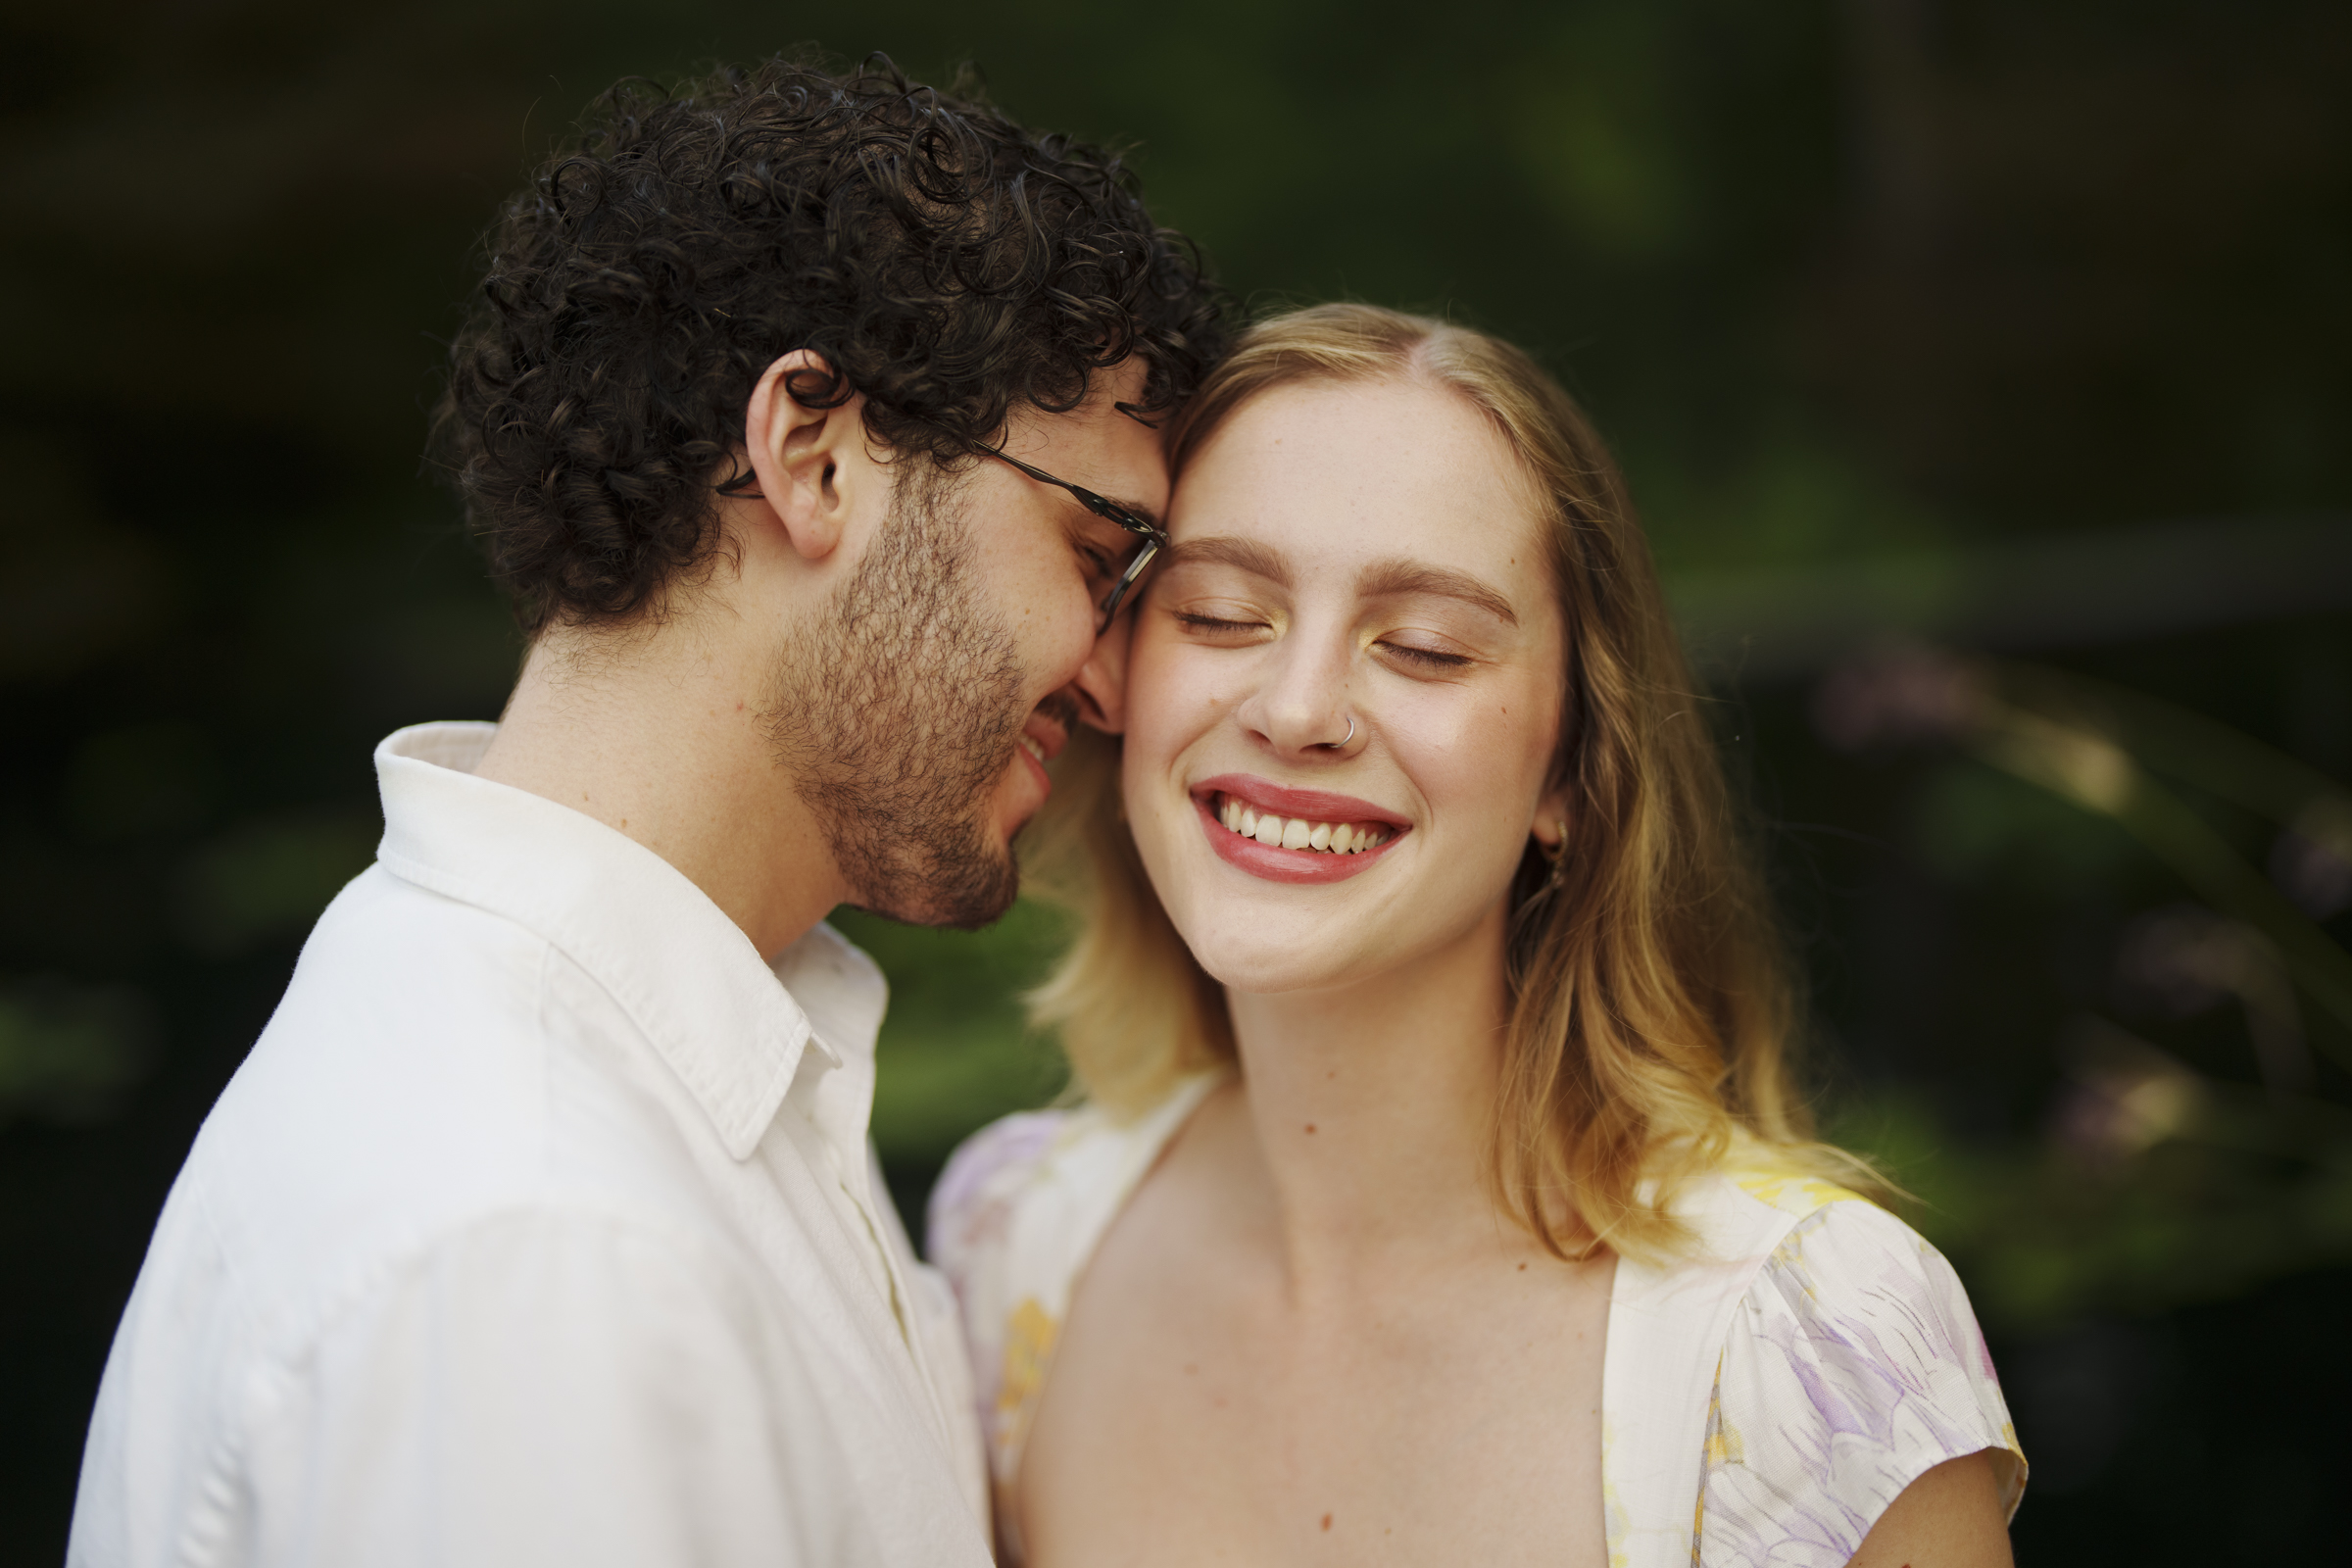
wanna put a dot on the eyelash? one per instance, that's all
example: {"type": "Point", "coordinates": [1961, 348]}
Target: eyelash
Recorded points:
{"type": "Point", "coordinates": [1200, 623]}
{"type": "Point", "coordinates": [1428, 659]}
{"type": "Point", "coordinates": [1428, 656]}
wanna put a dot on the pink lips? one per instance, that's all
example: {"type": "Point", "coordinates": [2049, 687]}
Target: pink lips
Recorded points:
{"type": "Point", "coordinates": [1277, 864]}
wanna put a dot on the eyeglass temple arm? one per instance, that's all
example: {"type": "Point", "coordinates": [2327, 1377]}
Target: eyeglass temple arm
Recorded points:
{"type": "Point", "coordinates": [1101, 506]}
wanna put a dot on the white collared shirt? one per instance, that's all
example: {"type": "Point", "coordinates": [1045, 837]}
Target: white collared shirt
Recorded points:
{"type": "Point", "coordinates": [539, 1227]}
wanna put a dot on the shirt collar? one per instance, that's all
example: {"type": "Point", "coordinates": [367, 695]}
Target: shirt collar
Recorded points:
{"type": "Point", "coordinates": [732, 1028]}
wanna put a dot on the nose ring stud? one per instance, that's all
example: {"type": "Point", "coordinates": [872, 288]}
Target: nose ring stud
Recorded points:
{"type": "Point", "coordinates": [1341, 744]}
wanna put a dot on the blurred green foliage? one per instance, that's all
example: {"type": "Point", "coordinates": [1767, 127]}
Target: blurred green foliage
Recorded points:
{"type": "Point", "coordinates": [1976, 826]}
{"type": "Point", "coordinates": [2223, 1201]}
{"type": "Point", "coordinates": [69, 1054]}
{"type": "Point", "coordinates": [1906, 316]}
{"type": "Point", "coordinates": [955, 1048]}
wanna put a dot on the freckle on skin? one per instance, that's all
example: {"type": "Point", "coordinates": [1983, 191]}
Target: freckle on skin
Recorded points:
{"type": "Point", "coordinates": [1327, 1525]}
{"type": "Point", "coordinates": [1310, 1126]}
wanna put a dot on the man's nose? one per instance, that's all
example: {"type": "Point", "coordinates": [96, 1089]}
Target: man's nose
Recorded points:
{"type": "Point", "coordinates": [1101, 687]}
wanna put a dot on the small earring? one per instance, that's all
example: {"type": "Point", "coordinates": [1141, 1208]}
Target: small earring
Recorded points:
{"type": "Point", "coordinates": [1558, 854]}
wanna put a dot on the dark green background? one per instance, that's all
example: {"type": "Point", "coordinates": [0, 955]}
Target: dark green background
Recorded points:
{"type": "Point", "coordinates": [1890, 281]}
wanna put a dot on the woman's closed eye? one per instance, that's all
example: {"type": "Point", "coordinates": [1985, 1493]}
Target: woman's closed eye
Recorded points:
{"type": "Point", "coordinates": [1434, 660]}
{"type": "Point", "coordinates": [1229, 626]}
{"type": "Point", "coordinates": [1236, 625]}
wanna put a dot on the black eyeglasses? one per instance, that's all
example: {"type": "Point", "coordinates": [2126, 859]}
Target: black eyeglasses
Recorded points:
{"type": "Point", "coordinates": [1155, 537]}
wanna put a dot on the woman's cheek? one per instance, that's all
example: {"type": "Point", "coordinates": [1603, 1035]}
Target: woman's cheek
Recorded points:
{"type": "Point", "coordinates": [1166, 697]}
{"type": "Point", "coordinates": [1444, 744]}
{"type": "Point", "coordinates": [1477, 761]}
{"type": "Point", "coordinates": [1158, 721]}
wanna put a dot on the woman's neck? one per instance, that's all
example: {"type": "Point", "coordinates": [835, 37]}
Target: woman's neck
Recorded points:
{"type": "Point", "coordinates": [1372, 1107]}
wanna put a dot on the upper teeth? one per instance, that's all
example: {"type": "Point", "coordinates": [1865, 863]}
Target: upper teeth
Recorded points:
{"type": "Point", "coordinates": [1030, 745]}
{"type": "Point", "coordinates": [1297, 833]}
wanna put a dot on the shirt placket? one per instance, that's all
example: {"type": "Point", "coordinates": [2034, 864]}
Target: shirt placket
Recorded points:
{"type": "Point", "coordinates": [837, 1112]}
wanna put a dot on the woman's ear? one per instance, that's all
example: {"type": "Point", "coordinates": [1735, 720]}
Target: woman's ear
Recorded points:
{"type": "Point", "coordinates": [810, 462]}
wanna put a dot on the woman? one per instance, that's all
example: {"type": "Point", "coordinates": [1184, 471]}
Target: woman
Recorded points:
{"type": "Point", "coordinates": [1438, 1195]}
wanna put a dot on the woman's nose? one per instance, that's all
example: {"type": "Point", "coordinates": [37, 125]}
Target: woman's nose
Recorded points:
{"type": "Point", "coordinates": [1301, 708]}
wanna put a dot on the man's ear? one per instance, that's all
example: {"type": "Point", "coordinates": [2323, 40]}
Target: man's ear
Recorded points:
{"type": "Point", "coordinates": [810, 462]}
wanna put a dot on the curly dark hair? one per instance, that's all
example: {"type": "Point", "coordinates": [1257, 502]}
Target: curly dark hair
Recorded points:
{"type": "Point", "coordinates": [943, 261]}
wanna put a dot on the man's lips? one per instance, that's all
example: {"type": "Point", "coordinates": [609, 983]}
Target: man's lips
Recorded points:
{"type": "Point", "coordinates": [1043, 735]}
{"type": "Point", "coordinates": [1341, 822]}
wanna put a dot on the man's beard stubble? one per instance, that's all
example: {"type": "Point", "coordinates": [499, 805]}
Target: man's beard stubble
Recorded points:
{"type": "Point", "coordinates": [897, 715]}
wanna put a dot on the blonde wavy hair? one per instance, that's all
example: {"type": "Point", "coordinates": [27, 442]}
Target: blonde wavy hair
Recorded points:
{"type": "Point", "coordinates": [1652, 1011]}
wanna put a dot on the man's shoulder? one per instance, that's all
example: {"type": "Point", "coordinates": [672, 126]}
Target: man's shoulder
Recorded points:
{"type": "Point", "coordinates": [386, 948]}
{"type": "Point", "coordinates": [406, 1054]}
{"type": "Point", "coordinates": [237, 1379]}
{"type": "Point", "coordinates": [419, 1080]}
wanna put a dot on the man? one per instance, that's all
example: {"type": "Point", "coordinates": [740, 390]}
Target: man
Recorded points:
{"type": "Point", "coordinates": [540, 1225]}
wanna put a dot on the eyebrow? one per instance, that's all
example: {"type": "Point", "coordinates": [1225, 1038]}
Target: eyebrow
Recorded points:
{"type": "Point", "coordinates": [1244, 554]}
{"type": "Point", "coordinates": [1384, 579]}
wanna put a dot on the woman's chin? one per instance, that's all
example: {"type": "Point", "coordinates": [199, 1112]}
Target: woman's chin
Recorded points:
{"type": "Point", "coordinates": [1259, 978]}
{"type": "Point", "coordinates": [1265, 966]}
{"type": "Point", "coordinates": [1272, 947]}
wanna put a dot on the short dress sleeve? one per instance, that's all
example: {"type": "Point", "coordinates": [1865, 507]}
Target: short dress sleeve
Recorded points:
{"type": "Point", "coordinates": [1853, 1366]}
{"type": "Point", "coordinates": [969, 1231]}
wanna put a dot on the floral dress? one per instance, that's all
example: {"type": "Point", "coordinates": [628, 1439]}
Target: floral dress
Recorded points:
{"type": "Point", "coordinates": [1762, 1401]}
